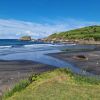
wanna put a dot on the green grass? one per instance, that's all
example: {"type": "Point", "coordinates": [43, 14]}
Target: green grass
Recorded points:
{"type": "Point", "coordinates": [86, 33]}
{"type": "Point", "coordinates": [60, 84]}
{"type": "Point", "coordinates": [17, 88]}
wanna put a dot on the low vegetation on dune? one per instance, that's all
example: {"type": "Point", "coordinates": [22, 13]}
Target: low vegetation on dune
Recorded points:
{"type": "Point", "coordinates": [86, 33]}
{"type": "Point", "coordinates": [60, 84]}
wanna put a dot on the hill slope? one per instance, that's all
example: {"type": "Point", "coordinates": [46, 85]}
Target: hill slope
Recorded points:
{"type": "Point", "coordinates": [60, 84]}
{"type": "Point", "coordinates": [86, 33]}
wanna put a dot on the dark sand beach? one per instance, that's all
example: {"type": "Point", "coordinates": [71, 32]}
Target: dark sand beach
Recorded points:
{"type": "Point", "coordinates": [12, 72]}
{"type": "Point", "coordinates": [90, 63]}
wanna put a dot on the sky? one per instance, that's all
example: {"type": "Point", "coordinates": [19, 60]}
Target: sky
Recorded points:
{"type": "Point", "coordinates": [40, 18]}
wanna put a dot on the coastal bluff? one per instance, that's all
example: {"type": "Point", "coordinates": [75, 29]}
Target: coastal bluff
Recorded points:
{"type": "Point", "coordinates": [84, 35]}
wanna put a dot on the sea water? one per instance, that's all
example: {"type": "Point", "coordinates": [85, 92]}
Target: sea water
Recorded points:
{"type": "Point", "coordinates": [13, 49]}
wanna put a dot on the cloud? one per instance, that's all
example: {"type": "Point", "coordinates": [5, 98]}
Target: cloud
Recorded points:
{"type": "Point", "coordinates": [15, 28]}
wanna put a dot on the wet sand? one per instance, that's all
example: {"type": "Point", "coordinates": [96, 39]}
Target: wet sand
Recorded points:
{"type": "Point", "coordinates": [90, 64]}
{"type": "Point", "coordinates": [12, 72]}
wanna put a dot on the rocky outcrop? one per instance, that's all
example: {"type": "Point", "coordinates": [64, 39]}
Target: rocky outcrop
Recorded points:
{"type": "Point", "coordinates": [26, 38]}
{"type": "Point", "coordinates": [80, 57]}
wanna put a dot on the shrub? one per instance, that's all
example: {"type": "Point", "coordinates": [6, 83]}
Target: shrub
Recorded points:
{"type": "Point", "coordinates": [18, 87]}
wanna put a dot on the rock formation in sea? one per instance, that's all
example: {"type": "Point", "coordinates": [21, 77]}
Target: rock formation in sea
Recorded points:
{"type": "Point", "coordinates": [26, 38]}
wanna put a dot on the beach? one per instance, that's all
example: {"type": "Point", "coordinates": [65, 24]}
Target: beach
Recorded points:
{"type": "Point", "coordinates": [90, 64]}
{"type": "Point", "coordinates": [20, 59]}
{"type": "Point", "coordinates": [12, 72]}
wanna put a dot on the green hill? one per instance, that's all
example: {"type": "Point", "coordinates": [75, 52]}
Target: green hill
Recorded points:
{"type": "Point", "coordinates": [86, 33]}
{"type": "Point", "coordinates": [60, 84]}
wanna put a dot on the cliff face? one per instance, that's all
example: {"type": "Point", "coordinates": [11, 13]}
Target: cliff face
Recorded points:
{"type": "Point", "coordinates": [26, 38]}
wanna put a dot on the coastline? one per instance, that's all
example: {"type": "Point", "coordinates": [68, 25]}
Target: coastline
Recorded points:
{"type": "Point", "coordinates": [91, 64]}
{"type": "Point", "coordinates": [81, 41]}
{"type": "Point", "coordinates": [13, 71]}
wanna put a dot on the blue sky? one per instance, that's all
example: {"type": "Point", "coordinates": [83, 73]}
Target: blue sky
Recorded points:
{"type": "Point", "coordinates": [40, 18]}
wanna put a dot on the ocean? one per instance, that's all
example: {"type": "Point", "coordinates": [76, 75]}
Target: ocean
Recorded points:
{"type": "Point", "coordinates": [15, 42]}
{"type": "Point", "coordinates": [13, 49]}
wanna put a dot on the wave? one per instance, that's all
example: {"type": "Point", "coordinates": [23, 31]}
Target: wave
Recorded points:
{"type": "Point", "coordinates": [35, 45]}
{"type": "Point", "coordinates": [40, 45]}
{"type": "Point", "coordinates": [31, 45]}
{"type": "Point", "coordinates": [71, 44]}
{"type": "Point", "coordinates": [6, 46]}
{"type": "Point", "coordinates": [48, 45]}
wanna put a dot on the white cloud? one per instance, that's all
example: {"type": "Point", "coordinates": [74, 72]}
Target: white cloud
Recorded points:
{"type": "Point", "coordinates": [15, 29]}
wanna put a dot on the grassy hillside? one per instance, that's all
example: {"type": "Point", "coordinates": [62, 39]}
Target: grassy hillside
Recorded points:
{"type": "Point", "coordinates": [60, 84]}
{"type": "Point", "coordinates": [86, 33]}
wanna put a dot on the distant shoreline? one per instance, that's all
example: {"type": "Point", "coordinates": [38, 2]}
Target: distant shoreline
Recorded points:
{"type": "Point", "coordinates": [75, 42]}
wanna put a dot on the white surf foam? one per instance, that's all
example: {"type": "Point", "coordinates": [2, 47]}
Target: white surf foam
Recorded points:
{"type": "Point", "coordinates": [5, 46]}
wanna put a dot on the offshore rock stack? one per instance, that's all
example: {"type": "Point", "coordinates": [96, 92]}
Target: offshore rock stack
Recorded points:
{"type": "Point", "coordinates": [26, 38]}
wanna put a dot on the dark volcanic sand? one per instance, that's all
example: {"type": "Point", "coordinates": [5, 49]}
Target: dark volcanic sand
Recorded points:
{"type": "Point", "coordinates": [12, 72]}
{"type": "Point", "coordinates": [90, 64]}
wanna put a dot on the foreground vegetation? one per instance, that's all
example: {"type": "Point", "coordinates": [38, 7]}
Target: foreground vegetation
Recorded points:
{"type": "Point", "coordinates": [60, 84]}
{"type": "Point", "coordinates": [86, 33]}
